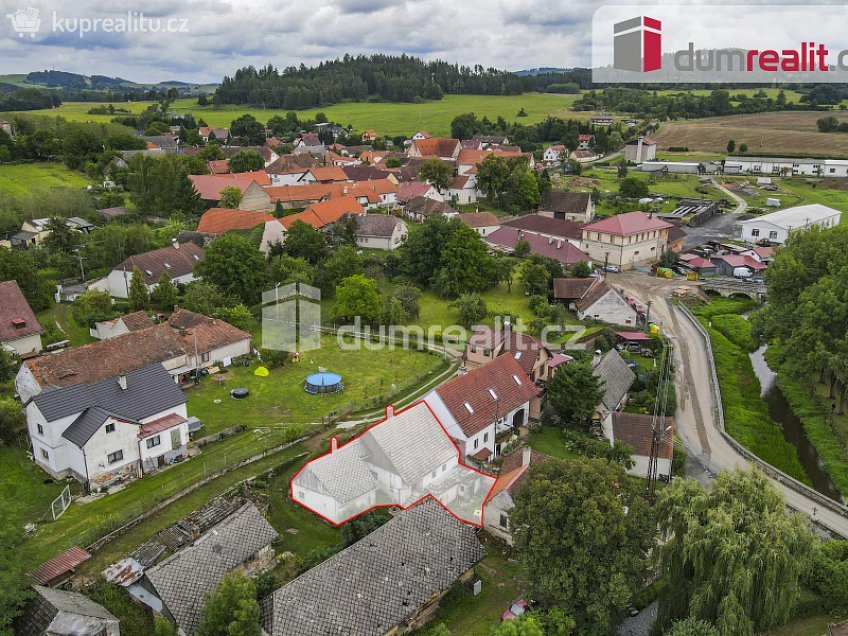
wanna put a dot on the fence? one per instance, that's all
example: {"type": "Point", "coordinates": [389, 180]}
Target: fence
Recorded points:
{"type": "Point", "coordinates": [60, 504]}
{"type": "Point", "coordinates": [771, 471]}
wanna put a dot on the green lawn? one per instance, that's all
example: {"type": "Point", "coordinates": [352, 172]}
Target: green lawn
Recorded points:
{"type": "Point", "coordinates": [385, 118]}
{"type": "Point", "coordinates": [83, 523]}
{"type": "Point", "coordinates": [549, 440]}
{"type": "Point", "coordinates": [504, 582]}
{"type": "Point", "coordinates": [791, 96]}
{"type": "Point", "coordinates": [794, 191]}
{"type": "Point", "coordinates": [368, 376]}
{"type": "Point", "coordinates": [23, 494]}
{"type": "Point", "coordinates": [59, 316]}
{"type": "Point", "coordinates": [23, 179]}
{"type": "Point", "coordinates": [810, 626]}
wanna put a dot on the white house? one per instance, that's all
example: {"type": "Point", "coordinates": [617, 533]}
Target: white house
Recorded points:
{"type": "Point", "coordinates": [779, 166]}
{"type": "Point", "coordinates": [177, 260]}
{"type": "Point", "coordinates": [105, 329]}
{"type": "Point", "coordinates": [463, 189]}
{"type": "Point", "coordinates": [603, 302]}
{"type": "Point", "coordinates": [777, 226]}
{"type": "Point", "coordinates": [380, 231]}
{"type": "Point", "coordinates": [482, 409]}
{"type": "Point", "coordinates": [126, 425]}
{"type": "Point", "coordinates": [635, 430]}
{"type": "Point", "coordinates": [484, 223]}
{"type": "Point", "coordinates": [20, 332]}
{"type": "Point", "coordinates": [555, 153]}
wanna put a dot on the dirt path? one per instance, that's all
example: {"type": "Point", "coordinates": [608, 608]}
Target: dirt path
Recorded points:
{"type": "Point", "coordinates": [697, 424]}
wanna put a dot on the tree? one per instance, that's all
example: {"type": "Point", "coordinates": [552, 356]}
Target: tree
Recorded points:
{"type": "Point", "coordinates": [436, 172]}
{"type": "Point", "coordinates": [584, 529]}
{"type": "Point", "coordinates": [828, 124]}
{"type": "Point", "coordinates": [743, 148]}
{"type": "Point", "coordinates": [11, 417]}
{"type": "Point", "coordinates": [408, 296]}
{"type": "Point", "coordinates": [20, 266]}
{"type": "Point", "coordinates": [286, 269]}
{"type": "Point", "coordinates": [521, 249]}
{"type": "Point", "coordinates": [344, 262]}
{"type": "Point", "coordinates": [61, 238]}
{"type": "Point", "coordinates": [235, 266]}
{"type": "Point", "coordinates": [92, 306]}
{"type": "Point", "coordinates": [827, 574]}
{"type": "Point", "coordinates": [574, 391]}
{"type": "Point", "coordinates": [464, 264]}
{"type": "Point", "coordinates": [232, 609]}
{"type": "Point", "coordinates": [238, 315]}
{"type": "Point", "coordinates": [304, 241]}
{"type": "Point", "coordinates": [246, 161]}
{"type": "Point", "coordinates": [421, 254]}
{"type": "Point", "coordinates": [534, 279]}
{"type": "Point", "coordinates": [248, 129]}
{"type": "Point", "coordinates": [580, 269]}
{"type": "Point", "coordinates": [504, 269]}
{"type": "Point", "coordinates": [633, 188]}
{"type": "Point", "coordinates": [358, 296]}
{"type": "Point", "coordinates": [523, 626]}
{"type": "Point", "coordinates": [545, 183]}
{"type": "Point", "coordinates": [163, 627]}
{"type": "Point", "coordinates": [230, 198]}
{"type": "Point", "coordinates": [204, 298]}
{"type": "Point", "coordinates": [732, 555]}
{"type": "Point", "coordinates": [471, 308]}
{"type": "Point", "coordinates": [692, 627]}
{"type": "Point", "coordinates": [164, 294]}
{"type": "Point", "coordinates": [138, 296]}
{"type": "Point", "coordinates": [344, 230]}
{"type": "Point", "coordinates": [731, 146]}
{"type": "Point", "coordinates": [622, 169]}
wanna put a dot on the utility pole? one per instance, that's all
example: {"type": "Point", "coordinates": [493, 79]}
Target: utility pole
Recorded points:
{"type": "Point", "coordinates": [648, 316]}
{"type": "Point", "coordinates": [658, 428]}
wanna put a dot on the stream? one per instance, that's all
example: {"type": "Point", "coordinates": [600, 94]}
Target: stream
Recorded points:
{"type": "Point", "coordinates": [793, 431]}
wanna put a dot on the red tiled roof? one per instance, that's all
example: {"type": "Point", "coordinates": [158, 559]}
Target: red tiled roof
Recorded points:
{"type": "Point", "coordinates": [308, 192]}
{"type": "Point", "coordinates": [634, 429]}
{"type": "Point", "coordinates": [287, 164]}
{"type": "Point", "coordinates": [328, 173]}
{"type": "Point", "coordinates": [558, 249]}
{"type": "Point", "coordinates": [219, 166]}
{"type": "Point", "coordinates": [699, 263]}
{"type": "Point", "coordinates": [162, 424]}
{"type": "Point", "coordinates": [547, 225]}
{"type": "Point", "coordinates": [479, 219]}
{"type": "Point", "coordinates": [436, 147]}
{"type": "Point", "coordinates": [221, 220]}
{"type": "Point", "coordinates": [572, 288]}
{"type": "Point", "coordinates": [17, 319]}
{"type": "Point", "coordinates": [260, 176]}
{"type": "Point", "coordinates": [504, 376]}
{"type": "Point", "coordinates": [320, 215]}
{"type": "Point", "coordinates": [137, 320]}
{"type": "Point", "coordinates": [471, 157]}
{"type": "Point", "coordinates": [209, 186]}
{"type": "Point", "coordinates": [408, 190]}
{"type": "Point", "coordinates": [627, 224]}
{"type": "Point", "coordinates": [737, 260]}
{"type": "Point", "coordinates": [60, 565]}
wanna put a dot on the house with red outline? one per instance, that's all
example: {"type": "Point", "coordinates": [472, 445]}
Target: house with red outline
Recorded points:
{"type": "Point", "coordinates": [399, 461]}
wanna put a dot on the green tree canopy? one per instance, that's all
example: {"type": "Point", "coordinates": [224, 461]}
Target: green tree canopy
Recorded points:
{"type": "Point", "coordinates": [692, 627]}
{"type": "Point", "coordinates": [633, 188]}
{"type": "Point", "coordinates": [246, 161]}
{"type": "Point", "coordinates": [304, 241]}
{"type": "Point", "coordinates": [344, 262]}
{"type": "Point", "coordinates": [20, 266]}
{"type": "Point", "coordinates": [732, 555]}
{"type": "Point", "coordinates": [235, 266]}
{"type": "Point", "coordinates": [574, 391]}
{"type": "Point", "coordinates": [358, 296]}
{"type": "Point", "coordinates": [164, 294]}
{"type": "Point", "coordinates": [92, 306]}
{"type": "Point", "coordinates": [138, 296]}
{"type": "Point", "coordinates": [436, 172]}
{"type": "Point", "coordinates": [522, 626]}
{"type": "Point", "coordinates": [584, 529]}
{"type": "Point", "coordinates": [230, 198]}
{"type": "Point", "coordinates": [232, 609]}
{"type": "Point", "coordinates": [464, 264]}
{"type": "Point", "coordinates": [471, 309]}
{"type": "Point", "coordinates": [535, 279]}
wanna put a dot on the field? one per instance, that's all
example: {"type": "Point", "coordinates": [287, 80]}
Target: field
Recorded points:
{"type": "Point", "coordinates": [794, 191]}
{"type": "Point", "coordinates": [791, 96]}
{"type": "Point", "coordinates": [769, 133]}
{"type": "Point", "coordinates": [386, 118]}
{"type": "Point", "coordinates": [368, 377]}
{"type": "Point", "coordinates": [23, 179]}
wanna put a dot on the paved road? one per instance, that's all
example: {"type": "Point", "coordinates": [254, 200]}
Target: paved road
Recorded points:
{"type": "Point", "coordinates": [697, 425]}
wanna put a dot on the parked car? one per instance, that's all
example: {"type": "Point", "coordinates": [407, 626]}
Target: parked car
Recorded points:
{"type": "Point", "coordinates": [516, 609]}
{"type": "Point", "coordinates": [612, 268]}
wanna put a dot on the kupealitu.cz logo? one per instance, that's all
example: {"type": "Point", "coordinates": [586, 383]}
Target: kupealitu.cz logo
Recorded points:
{"type": "Point", "coordinates": [28, 22]}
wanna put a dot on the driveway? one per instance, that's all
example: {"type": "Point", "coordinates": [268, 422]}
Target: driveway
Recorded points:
{"type": "Point", "coordinates": [718, 227]}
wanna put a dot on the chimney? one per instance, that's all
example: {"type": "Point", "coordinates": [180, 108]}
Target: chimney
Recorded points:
{"type": "Point", "coordinates": [525, 456]}
{"type": "Point", "coordinates": [175, 243]}
{"type": "Point", "coordinates": [550, 240]}
{"type": "Point", "coordinates": [559, 244]}
{"type": "Point", "coordinates": [334, 445]}
{"type": "Point", "coordinates": [390, 411]}
{"type": "Point", "coordinates": [122, 381]}
{"type": "Point", "coordinates": [639, 150]}
{"type": "Point", "coordinates": [507, 325]}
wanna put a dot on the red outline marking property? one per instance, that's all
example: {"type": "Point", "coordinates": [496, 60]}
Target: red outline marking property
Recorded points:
{"type": "Point", "coordinates": [390, 409]}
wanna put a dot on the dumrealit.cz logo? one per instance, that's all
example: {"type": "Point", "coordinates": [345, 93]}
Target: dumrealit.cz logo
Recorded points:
{"type": "Point", "coordinates": [637, 44]}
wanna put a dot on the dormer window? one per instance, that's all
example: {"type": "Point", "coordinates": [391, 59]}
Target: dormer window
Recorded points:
{"type": "Point", "coordinates": [148, 272]}
{"type": "Point", "coordinates": [517, 381]}
{"type": "Point", "coordinates": [493, 394]}
{"type": "Point", "coordinates": [167, 266]}
{"type": "Point", "coordinates": [18, 323]}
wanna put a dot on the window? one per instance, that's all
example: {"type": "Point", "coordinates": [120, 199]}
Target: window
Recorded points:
{"type": "Point", "coordinates": [476, 443]}
{"type": "Point", "coordinates": [473, 348]}
{"type": "Point", "coordinates": [504, 521]}
{"type": "Point", "coordinates": [755, 232]}
{"type": "Point", "coordinates": [773, 234]}
{"type": "Point", "coordinates": [45, 454]}
{"type": "Point", "coordinates": [153, 441]}
{"type": "Point", "coordinates": [204, 357]}
{"type": "Point", "coordinates": [110, 427]}
{"type": "Point", "coordinates": [40, 429]}
{"type": "Point", "coordinates": [485, 437]}
{"type": "Point", "coordinates": [115, 457]}
{"type": "Point", "coordinates": [444, 467]}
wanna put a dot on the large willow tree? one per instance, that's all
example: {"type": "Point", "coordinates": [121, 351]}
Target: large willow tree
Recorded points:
{"type": "Point", "coordinates": [733, 555]}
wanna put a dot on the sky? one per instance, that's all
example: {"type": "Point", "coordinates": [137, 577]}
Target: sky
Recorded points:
{"type": "Point", "coordinates": [213, 38]}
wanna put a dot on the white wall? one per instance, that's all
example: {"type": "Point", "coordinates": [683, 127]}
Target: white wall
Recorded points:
{"type": "Point", "coordinates": [500, 504]}
{"type": "Point", "coordinates": [611, 308]}
{"type": "Point", "coordinates": [274, 233]}
{"type": "Point", "coordinates": [25, 345]}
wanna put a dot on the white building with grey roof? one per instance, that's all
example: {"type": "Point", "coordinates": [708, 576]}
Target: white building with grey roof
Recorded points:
{"type": "Point", "coordinates": [617, 379]}
{"type": "Point", "coordinates": [177, 587]}
{"type": "Point", "coordinates": [397, 462]}
{"type": "Point", "coordinates": [380, 584]}
{"type": "Point", "coordinates": [129, 424]}
{"type": "Point", "coordinates": [380, 231]}
{"type": "Point", "coordinates": [60, 613]}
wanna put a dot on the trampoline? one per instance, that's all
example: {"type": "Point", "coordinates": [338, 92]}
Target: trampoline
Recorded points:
{"type": "Point", "coordinates": [324, 382]}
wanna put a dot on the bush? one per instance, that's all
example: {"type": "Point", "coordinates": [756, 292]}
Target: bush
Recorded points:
{"type": "Point", "coordinates": [736, 329]}
{"type": "Point", "coordinates": [136, 619]}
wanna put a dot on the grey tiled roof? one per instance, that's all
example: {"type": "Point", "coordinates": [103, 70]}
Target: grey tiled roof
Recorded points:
{"type": "Point", "coordinates": [376, 224]}
{"type": "Point", "coordinates": [375, 584]}
{"type": "Point", "coordinates": [60, 612]}
{"type": "Point", "coordinates": [149, 391]}
{"type": "Point", "coordinates": [183, 580]}
{"type": "Point", "coordinates": [344, 475]}
{"type": "Point", "coordinates": [617, 377]}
